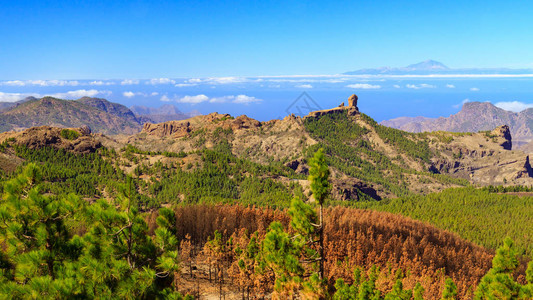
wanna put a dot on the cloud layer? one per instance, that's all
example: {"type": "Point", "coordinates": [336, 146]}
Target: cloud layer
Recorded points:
{"type": "Point", "coordinates": [70, 95]}
{"type": "Point", "coordinates": [420, 86]}
{"type": "Point", "coordinates": [363, 86]}
{"type": "Point", "coordinates": [515, 106]}
{"type": "Point", "coordinates": [196, 99]}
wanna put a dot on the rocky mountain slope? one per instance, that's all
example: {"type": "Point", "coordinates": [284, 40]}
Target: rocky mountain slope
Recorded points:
{"type": "Point", "coordinates": [367, 159]}
{"type": "Point", "coordinates": [99, 114]}
{"type": "Point", "coordinates": [165, 113]}
{"type": "Point", "coordinates": [473, 117]}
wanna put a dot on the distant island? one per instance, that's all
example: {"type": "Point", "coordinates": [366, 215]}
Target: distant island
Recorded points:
{"type": "Point", "coordinates": [432, 67]}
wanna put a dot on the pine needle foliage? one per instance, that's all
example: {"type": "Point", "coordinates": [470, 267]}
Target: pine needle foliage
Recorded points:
{"type": "Point", "coordinates": [63, 247]}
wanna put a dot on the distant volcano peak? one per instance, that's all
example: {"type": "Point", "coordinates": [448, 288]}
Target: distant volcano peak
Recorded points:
{"type": "Point", "coordinates": [428, 65]}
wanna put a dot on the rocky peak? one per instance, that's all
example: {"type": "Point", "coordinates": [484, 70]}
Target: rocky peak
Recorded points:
{"type": "Point", "coordinates": [351, 109]}
{"type": "Point", "coordinates": [504, 133]}
{"type": "Point", "coordinates": [352, 101]}
{"type": "Point", "coordinates": [245, 122]}
{"type": "Point", "coordinates": [48, 136]}
{"type": "Point", "coordinates": [85, 130]}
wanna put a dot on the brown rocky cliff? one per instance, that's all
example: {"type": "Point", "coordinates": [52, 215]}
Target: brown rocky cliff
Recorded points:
{"type": "Point", "coordinates": [526, 171]}
{"type": "Point", "coordinates": [172, 128]}
{"type": "Point", "coordinates": [351, 109]}
{"type": "Point", "coordinates": [352, 101]}
{"type": "Point", "coordinates": [47, 136]}
{"type": "Point", "coordinates": [504, 134]}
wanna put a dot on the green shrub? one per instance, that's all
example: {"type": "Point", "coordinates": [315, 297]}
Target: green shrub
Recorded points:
{"type": "Point", "coordinates": [69, 134]}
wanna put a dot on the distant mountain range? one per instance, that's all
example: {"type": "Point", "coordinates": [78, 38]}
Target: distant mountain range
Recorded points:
{"type": "Point", "coordinates": [473, 117]}
{"type": "Point", "coordinates": [429, 67]}
{"type": "Point", "coordinates": [99, 114]}
{"type": "Point", "coordinates": [165, 113]}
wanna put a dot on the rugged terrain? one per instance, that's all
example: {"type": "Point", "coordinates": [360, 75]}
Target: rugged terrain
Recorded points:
{"type": "Point", "coordinates": [367, 159]}
{"type": "Point", "coordinates": [165, 113]}
{"type": "Point", "coordinates": [473, 117]}
{"type": "Point", "coordinates": [214, 172]}
{"type": "Point", "coordinates": [100, 115]}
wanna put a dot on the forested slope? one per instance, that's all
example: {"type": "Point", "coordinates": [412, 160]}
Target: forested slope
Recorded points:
{"type": "Point", "coordinates": [477, 215]}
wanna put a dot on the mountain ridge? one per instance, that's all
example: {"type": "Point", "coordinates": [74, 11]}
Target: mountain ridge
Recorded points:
{"type": "Point", "coordinates": [366, 158]}
{"type": "Point", "coordinates": [164, 113]}
{"type": "Point", "coordinates": [99, 114]}
{"type": "Point", "coordinates": [429, 67]}
{"type": "Point", "coordinates": [473, 117]}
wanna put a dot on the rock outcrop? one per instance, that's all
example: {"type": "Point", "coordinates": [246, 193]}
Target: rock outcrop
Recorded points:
{"type": "Point", "coordinates": [483, 158]}
{"type": "Point", "coordinates": [47, 136]}
{"type": "Point", "coordinates": [504, 134]}
{"type": "Point", "coordinates": [244, 122]}
{"type": "Point", "coordinates": [352, 101]}
{"type": "Point", "coordinates": [299, 166]}
{"type": "Point", "coordinates": [174, 129]}
{"type": "Point", "coordinates": [177, 129]}
{"type": "Point", "coordinates": [351, 189]}
{"type": "Point", "coordinates": [351, 109]}
{"type": "Point", "coordinates": [474, 117]}
{"type": "Point", "coordinates": [526, 171]}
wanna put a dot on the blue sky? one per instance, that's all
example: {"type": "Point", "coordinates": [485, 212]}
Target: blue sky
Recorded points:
{"type": "Point", "coordinates": [148, 39]}
{"type": "Point", "coordinates": [229, 56]}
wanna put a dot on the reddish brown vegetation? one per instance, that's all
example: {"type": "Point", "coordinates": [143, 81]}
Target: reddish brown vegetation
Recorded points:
{"type": "Point", "coordinates": [353, 237]}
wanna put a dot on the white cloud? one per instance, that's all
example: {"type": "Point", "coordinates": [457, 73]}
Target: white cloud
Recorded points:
{"type": "Point", "coordinates": [226, 80]}
{"type": "Point", "coordinates": [474, 89]}
{"type": "Point", "coordinates": [304, 86]}
{"type": "Point", "coordinates": [239, 99]}
{"type": "Point", "coordinates": [515, 106]}
{"type": "Point", "coordinates": [218, 80]}
{"type": "Point", "coordinates": [450, 86]}
{"type": "Point", "coordinates": [41, 82]}
{"type": "Point", "coordinates": [420, 86]}
{"type": "Point", "coordinates": [462, 103]}
{"type": "Point", "coordinates": [14, 97]}
{"type": "Point", "coordinates": [185, 84]}
{"type": "Point", "coordinates": [223, 99]}
{"type": "Point", "coordinates": [129, 82]}
{"type": "Point", "coordinates": [80, 93]}
{"type": "Point", "coordinates": [100, 82]}
{"type": "Point", "coordinates": [364, 86]}
{"type": "Point", "coordinates": [396, 86]}
{"type": "Point", "coordinates": [196, 99]}
{"type": "Point", "coordinates": [243, 99]}
{"type": "Point", "coordinates": [193, 99]}
{"type": "Point", "coordinates": [156, 81]}
{"type": "Point", "coordinates": [128, 94]}
{"type": "Point", "coordinates": [14, 83]}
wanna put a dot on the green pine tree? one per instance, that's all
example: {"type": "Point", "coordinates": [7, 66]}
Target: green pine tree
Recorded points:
{"type": "Point", "coordinates": [499, 283]}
